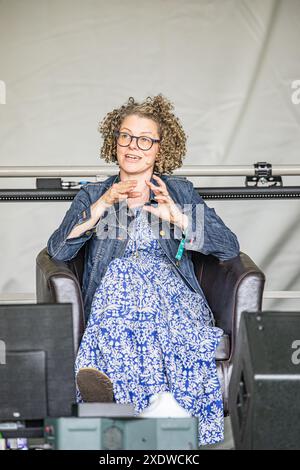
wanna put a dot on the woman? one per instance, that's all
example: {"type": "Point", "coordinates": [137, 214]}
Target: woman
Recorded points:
{"type": "Point", "coordinates": [149, 327]}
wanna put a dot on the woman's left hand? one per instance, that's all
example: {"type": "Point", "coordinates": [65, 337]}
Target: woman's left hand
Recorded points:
{"type": "Point", "coordinates": [166, 209]}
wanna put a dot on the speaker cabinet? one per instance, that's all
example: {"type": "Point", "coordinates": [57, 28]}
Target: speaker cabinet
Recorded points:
{"type": "Point", "coordinates": [264, 391]}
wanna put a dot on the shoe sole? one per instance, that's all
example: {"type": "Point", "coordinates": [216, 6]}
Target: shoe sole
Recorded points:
{"type": "Point", "coordinates": [94, 386]}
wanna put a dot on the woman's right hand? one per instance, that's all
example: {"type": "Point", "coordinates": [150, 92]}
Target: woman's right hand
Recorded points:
{"type": "Point", "coordinates": [120, 191]}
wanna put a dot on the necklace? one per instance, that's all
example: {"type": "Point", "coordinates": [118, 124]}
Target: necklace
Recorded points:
{"type": "Point", "coordinates": [133, 228]}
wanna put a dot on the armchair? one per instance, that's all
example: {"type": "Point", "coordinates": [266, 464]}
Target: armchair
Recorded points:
{"type": "Point", "coordinates": [230, 288]}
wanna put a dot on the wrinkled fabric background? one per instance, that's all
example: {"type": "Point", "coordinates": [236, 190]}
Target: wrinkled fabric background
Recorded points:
{"type": "Point", "coordinates": [228, 66]}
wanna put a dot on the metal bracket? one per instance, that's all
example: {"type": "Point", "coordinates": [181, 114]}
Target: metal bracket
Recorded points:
{"type": "Point", "coordinates": [263, 176]}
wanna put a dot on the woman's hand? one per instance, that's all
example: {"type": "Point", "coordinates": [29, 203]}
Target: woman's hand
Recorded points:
{"type": "Point", "coordinates": [120, 191]}
{"type": "Point", "coordinates": [166, 209]}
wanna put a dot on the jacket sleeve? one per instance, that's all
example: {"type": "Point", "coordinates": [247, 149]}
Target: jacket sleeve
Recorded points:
{"type": "Point", "coordinates": [58, 246]}
{"type": "Point", "coordinates": [207, 233]}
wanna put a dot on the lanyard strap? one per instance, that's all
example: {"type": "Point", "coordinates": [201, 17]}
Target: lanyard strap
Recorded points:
{"type": "Point", "coordinates": [180, 248]}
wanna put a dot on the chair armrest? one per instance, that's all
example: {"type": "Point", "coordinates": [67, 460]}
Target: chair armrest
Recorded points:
{"type": "Point", "coordinates": [230, 287]}
{"type": "Point", "coordinates": [56, 282]}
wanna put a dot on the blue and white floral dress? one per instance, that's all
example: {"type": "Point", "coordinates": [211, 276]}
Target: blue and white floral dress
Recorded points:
{"type": "Point", "coordinates": [150, 333]}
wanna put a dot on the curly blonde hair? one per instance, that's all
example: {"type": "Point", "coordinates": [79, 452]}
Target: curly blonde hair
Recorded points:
{"type": "Point", "coordinates": [158, 108]}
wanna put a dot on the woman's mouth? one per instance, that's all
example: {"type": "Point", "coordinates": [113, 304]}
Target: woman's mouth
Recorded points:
{"type": "Point", "coordinates": [132, 158]}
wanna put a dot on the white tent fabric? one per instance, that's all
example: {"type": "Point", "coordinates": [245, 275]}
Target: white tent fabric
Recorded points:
{"type": "Point", "coordinates": [229, 66]}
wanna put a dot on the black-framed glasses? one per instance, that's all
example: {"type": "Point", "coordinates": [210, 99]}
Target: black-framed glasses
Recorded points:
{"type": "Point", "coordinates": [143, 142]}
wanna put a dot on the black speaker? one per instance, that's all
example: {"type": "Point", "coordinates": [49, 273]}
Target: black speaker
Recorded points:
{"type": "Point", "coordinates": [37, 370]}
{"type": "Point", "coordinates": [264, 391]}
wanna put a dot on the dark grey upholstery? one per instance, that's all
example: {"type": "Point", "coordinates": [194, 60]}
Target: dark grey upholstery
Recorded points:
{"type": "Point", "coordinates": [230, 287]}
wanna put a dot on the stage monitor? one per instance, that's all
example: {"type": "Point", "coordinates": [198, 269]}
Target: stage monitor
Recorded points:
{"type": "Point", "coordinates": [37, 361]}
{"type": "Point", "coordinates": [264, 392]}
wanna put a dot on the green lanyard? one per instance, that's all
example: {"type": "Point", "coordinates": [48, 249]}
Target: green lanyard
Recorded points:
{"type": "Point", "coordinates": [180, 249]}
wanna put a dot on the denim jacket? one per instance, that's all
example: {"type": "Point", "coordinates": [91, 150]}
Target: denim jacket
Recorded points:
{"type": "Point", "coordinates": [205, 233]}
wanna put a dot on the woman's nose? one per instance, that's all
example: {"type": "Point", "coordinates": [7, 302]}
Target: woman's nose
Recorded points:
{"type": "Point", "coordinates": [133, 143]}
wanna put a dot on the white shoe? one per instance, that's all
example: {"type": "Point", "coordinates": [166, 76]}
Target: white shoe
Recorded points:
{"type": "Point", "coordinates": [164, 405]}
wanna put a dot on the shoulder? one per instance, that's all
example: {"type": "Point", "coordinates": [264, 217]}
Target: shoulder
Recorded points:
{"type": "Point", "coordinates": [178, 183]}
{"type": "Point", "coordinates": [175, 178]}
{"type": "Point", "coordinates": [180, 188]}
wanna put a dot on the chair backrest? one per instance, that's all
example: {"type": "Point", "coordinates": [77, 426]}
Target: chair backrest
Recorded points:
{"type": "Point", "coordinates": [77, 264]}
{"type": "Point", "coordinates": [60, 282]}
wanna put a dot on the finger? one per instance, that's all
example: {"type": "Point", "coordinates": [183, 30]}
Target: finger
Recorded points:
{"type": "Point", "coordinates": [157, 178]}
{"type": "Point", "coordinates": [158, 189]}
{"type": "Point", "coordinates": [134, 194]}
{"type": "Point", "coordinates": [161, 189]}
{"type": "Point", "coordinates": [154, 186]}
{"type": "Point", "coordinates": [160, 181]}
{"type": "Point", "coordinates": [160, 197]}
{"type": "Point", "coordinates": [125, 190]}
{"type": "Point", "coordinates": [122, 188]}
{"type": "Point", "coordinates": [126, 195]}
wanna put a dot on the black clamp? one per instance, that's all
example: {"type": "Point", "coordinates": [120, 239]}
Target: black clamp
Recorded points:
{"type": "Point", "coordinates": [56, 183]}
{"type": "Point", "coordinates": [48, 183]}
{"type": "Point", "coordinates": [263, 176]}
